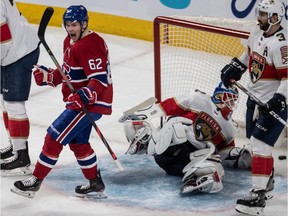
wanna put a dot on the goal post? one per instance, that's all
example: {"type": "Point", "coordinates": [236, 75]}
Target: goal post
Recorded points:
{"type": "Point", "coordinates": [189, 55]}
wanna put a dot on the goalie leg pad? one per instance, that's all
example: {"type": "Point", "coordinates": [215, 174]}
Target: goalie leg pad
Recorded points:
{"type": "Point", "coordinates": [206, 178]}
{"type": "Point", "coordinates": [198, 157]}
{"type": "Point", "coordinates": [204, 173]}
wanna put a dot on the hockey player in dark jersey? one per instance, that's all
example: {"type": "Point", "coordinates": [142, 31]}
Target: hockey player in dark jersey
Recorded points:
{"type": "Point", "coordinates": [86, 65]}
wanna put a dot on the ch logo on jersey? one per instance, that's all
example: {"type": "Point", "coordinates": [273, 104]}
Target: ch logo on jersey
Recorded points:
{"type": "Point", "coordinates": [257, 67]}
{"type": "Point", "coordinates": [205, 127]}
{"type": "Point", "coordinates": [66, 68]}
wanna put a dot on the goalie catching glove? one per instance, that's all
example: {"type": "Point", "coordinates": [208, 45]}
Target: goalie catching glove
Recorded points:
{"type": "Point", "coordinates": [82, 97]}
{"type": "Point", "coordinates": [43, 75]}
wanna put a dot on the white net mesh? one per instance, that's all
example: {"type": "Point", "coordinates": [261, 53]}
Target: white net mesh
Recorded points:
{"type": "Point", "coordinates": [192, 59]}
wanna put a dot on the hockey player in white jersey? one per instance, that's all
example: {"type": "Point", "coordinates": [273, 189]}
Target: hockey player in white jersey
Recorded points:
{"type": "Point", "coordinates": [190, 136]}
{"type": "Point", "coordinates": [19, 52]}
{"type": "Point", "coordinates": [266, 58]}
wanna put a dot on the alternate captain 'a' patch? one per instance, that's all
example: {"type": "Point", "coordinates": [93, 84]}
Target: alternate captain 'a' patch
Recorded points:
{"type": "Point", "coordinates": [205, 127]}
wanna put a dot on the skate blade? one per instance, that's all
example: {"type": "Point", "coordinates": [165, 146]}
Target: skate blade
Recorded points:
{"type": "Point", "coordinates": [28, 194]}
{"type": "Point", "coordinates": [91, 196]}
{"type": "Point", "coordinates": [255, 211]}
{"type": "Point", "coordinates": [16, 172]}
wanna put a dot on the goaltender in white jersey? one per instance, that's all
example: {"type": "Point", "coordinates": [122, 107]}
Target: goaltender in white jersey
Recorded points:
{"type": "Point", "coordinates": [190, 136]}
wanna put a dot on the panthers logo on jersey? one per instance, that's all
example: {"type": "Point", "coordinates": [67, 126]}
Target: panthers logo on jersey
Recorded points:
{"type": "Point", "coordinates": [205, 127]}
{"type": "Point", "coordinates": [257, 67]}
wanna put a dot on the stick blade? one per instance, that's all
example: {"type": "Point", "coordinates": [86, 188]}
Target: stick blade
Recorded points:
{"type": "Point", "coordinates": [44, 21]}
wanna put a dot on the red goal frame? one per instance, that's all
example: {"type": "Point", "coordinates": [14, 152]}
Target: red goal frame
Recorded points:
{"type": "Point", "coordinates": [187, 24]}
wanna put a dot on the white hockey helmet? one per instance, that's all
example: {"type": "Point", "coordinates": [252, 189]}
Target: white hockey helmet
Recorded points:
{"type": "Point", "coordinates": [272, 7]}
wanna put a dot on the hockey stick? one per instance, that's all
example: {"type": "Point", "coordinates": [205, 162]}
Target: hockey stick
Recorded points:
{"type": "Point", "coordinates": [140, 106]}
{"type": "Point", "coordinates": [41, 32]}
{"type": "Point", "coordinates": [275, 115]}
{"type": "Point", "coordinates": [130, 114]}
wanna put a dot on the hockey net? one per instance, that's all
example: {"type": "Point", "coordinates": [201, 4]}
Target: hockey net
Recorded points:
{"type": "Point", "coordinates": [189, 53]}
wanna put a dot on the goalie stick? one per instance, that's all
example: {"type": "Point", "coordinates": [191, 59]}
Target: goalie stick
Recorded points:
{"type": "Point", "coordinates": [140, 106]}
{"type": "Point", "coordinates": [41, 34]}
{"type": "Point", "coordinates": [275, 115]}
{"type": "Point", "coordinates": [130, 114]}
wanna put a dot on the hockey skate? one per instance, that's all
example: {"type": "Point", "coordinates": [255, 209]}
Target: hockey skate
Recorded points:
{"type": "Point", "coordinates": [6, 152]}
{"type": "Point", "coordinates": [17, 165]}
{"type": "Point", "coordinates": [93, 189]}
{"type": "Point", "coordinates": [253, 204]}
{"type": "Point", "coordinates": [27, 187]}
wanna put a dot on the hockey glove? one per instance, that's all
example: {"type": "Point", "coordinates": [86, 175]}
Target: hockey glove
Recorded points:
{"type": "Point", "coordinates": [80, 98]}
{"type": "Point", "coordinates": [239, 158]}
{"type": "Point", "coordinates": [277, 104]}
{"type": "Point", "coordinates": [43, 75]}
{"type": "Point", "coordinates": [233, 71]}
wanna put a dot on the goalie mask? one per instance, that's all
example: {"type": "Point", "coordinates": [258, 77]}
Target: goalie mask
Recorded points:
{"type": "Point", "coordinates": [226, 99]}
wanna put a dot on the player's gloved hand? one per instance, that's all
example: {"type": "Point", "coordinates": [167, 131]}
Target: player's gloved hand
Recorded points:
{"type": "Point", "coordinates": [80, 98]}
{"type": "Point", "coordinates": [233, 71]}
{"type": "Point", "coordinates": [277, 104]}
{"type": "Point", "coordinates": [239, 158]}
{"type": "Point", "coordinates": [43, 75]}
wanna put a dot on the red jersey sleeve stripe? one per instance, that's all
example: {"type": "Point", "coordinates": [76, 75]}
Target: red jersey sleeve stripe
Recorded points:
{"type": "Point", "coordinates": [5, 33]}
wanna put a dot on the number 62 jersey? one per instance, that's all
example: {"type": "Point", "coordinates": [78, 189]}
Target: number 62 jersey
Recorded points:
{"type": "Point", "coordinates": [86, 63]}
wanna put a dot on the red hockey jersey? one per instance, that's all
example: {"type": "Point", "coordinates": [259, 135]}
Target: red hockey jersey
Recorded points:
{"type": "Point", "coordinates": [86, 63]}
